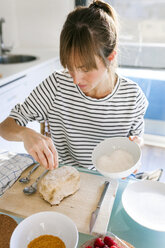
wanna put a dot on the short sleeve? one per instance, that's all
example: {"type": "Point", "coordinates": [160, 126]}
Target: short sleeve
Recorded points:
{"type": "Point", "coordinates": [137, 128]}
{"type": "Point", "coordinates": [36, 106]}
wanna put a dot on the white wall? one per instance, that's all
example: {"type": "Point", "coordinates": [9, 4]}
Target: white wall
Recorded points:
{"type": "Point", "coordinates": [34, 23]}
{"type": "Point", "coordinates": [7, 11]}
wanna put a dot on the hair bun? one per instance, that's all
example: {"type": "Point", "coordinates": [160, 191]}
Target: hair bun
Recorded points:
{"type": "Point", "coordinates": [100, 5]}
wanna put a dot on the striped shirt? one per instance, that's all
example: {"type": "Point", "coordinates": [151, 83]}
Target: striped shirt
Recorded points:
{"type": "Point", "coordinates": [78, 122]}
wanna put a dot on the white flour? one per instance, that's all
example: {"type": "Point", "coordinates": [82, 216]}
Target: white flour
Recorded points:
{"type": "Point", "coordinates": [119, 160]}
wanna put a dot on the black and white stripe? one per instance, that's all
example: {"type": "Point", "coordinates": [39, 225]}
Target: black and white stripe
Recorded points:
{"type": "Point", "coordinates": [77, 122]}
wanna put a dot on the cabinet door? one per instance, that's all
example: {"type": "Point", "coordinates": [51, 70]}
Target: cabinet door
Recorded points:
{"type": "Point", "coordinates": [16, 91]}
{"type": "Point", "coordinates": [37, 75]}
{"type": "Point", "coordinates": [10, 94]}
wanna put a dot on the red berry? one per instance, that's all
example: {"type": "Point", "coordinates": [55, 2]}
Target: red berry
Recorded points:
{"type": "Point", "coordinates": [114, 246]}
{"type": "Point", "coordinates": [88, 246]}
{"type": "Point", "coordinates": [109, 241]}
{"type": "Point", "coordinates": [99, 243]}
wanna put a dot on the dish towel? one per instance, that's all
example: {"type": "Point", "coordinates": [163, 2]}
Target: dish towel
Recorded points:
{"type": "Point", "coordinates": [11, 167]}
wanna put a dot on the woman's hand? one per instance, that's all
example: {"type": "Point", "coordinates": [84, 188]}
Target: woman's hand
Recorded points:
{"type": "Point", "coordinates": [41, 148]}
{"type": "Point", "coordinates": [37, 145]}
{"type": "Point", "coordinates": [137, 140]}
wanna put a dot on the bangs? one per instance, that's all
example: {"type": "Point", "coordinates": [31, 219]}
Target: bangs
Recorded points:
{"type": "Point", "coordinates": [77, 49]}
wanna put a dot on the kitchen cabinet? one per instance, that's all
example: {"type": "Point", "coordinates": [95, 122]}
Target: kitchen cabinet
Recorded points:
{"type": "Point", "coordinates": [16, 90]}
{"type": "Point", "coordinates": [10, 95]}
{"type": "Point", "coordinates": [37, 75]}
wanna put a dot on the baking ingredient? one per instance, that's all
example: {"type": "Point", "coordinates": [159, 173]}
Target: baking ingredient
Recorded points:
{"type": "Point", "coordinates": [99, 243]}
{"type": "Point", "coordinates": [7, 226]}
{"type": "Point", "coordinates": [59, 183]}
{"type": "Point", "coordinates": [46, 241]}
{"type": "Point", "coordinates": [105, 242]}
{"type": "Point", "coordinates": [118, 161]}
{"type": "Point", "coordinates": [109, 241]}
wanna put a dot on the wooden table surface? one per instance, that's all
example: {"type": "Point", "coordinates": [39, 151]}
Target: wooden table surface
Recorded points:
{"type": "Point", "coordinates": [78, 206]}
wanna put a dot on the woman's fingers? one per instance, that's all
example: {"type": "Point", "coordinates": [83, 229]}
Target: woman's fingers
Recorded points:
{"type": "Point", "coordinates": [35, 156]}
{"type": "Point", "coordinates": [137, 140]}
{"type": "Point", "coordinates": [133, 138]}
{"type": "Point", "coordinates": [55, 154]}
{"type": "Point", "coordinates": [43, 158]}
{"type": "Point", "coordinates": [49, 158]}
{"type": "Point", "coordinates": [48, 154]}
{"type": "Point", "coordinates": [42, 149]}
{"type": "Point", "coordinates": [51, 154]}
{"type": "Point", "coordinates": [135, 171]}
{"type": "Point", "coordinates": [40, 157]}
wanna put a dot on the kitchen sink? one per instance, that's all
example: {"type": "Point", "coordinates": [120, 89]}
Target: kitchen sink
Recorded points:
{"type": "Point", "coordinates": [12, 59]}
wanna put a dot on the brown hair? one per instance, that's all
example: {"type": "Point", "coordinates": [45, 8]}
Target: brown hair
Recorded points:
{"type": "Point", "coordinates": [88, 32]}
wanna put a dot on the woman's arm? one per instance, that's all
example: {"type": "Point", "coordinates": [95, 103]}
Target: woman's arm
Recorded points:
{"type": "Point", "coordinates": [9, 130]}
{"type": "Point", "coordinates": [37, 145]}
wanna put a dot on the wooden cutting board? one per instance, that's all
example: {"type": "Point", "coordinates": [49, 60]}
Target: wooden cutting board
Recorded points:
{"type": "Point", "coordinates": [78, 206]}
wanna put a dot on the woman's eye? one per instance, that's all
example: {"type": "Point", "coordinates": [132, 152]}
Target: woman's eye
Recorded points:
{"type": "Point", "coordinates": [85, 70]}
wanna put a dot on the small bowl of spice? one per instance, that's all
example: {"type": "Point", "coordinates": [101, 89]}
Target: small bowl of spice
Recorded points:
{"type": "Point", "coordinates": [45, 229]}
{"type": "Point", "coordinates": [116, 157]}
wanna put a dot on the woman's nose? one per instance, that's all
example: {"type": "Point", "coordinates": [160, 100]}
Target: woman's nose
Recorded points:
{"type": "Point", "coordinates": [77, 78]}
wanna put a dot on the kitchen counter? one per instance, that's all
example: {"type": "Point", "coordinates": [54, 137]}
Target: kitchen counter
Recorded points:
{"type": "Point", "coordinates": [11, 71]}
{"type": "Point", "coordinates": [142, 73]}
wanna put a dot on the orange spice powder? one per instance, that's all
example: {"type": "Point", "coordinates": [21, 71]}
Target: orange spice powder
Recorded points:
{"type": "Point", "coordinates": [46, 241]}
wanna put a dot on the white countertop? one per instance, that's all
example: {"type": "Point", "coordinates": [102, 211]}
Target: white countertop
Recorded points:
{"type": "Point", "coordinates": [143, 73]}
{"type": "Point", "coordinates": [10, 72]}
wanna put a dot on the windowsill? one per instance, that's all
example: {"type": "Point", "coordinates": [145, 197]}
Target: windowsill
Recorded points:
{"type": "Point", "coordinates": [154, 140]}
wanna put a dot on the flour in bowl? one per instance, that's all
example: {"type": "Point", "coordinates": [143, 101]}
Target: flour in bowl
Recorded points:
{"type": "Point", "coordinates": [118, 161]}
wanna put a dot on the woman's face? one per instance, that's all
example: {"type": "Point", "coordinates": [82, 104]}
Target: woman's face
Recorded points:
{"type": "Point", "coordinates": [92, 80]}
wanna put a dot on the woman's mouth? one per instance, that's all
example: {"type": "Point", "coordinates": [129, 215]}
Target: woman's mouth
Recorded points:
{"type": "Point", "coordinates": [82, 86]}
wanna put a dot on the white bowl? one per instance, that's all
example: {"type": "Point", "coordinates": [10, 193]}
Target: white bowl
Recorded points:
{"type": "Point", "coordinates": [107, 147]}
{"type": "Point", "coordinates": [42, 223]}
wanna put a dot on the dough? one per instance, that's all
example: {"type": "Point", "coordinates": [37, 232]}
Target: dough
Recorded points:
{"type": "Point", "coordinates": [59, 183]}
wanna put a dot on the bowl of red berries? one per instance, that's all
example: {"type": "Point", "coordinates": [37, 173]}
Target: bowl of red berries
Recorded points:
{"type": "Point", "coordinates": [106, 241]}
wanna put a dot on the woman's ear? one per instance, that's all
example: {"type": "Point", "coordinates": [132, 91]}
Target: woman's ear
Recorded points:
{"type": "Point", "coordinates": [112, 55]}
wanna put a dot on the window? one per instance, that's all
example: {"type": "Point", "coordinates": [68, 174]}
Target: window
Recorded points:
{"type": "Point", "coordinates": [142, 32]}
{"type": "Point", "coordinates": [142, 46]}
{"type": "Point", "coordinates": [141, 21]}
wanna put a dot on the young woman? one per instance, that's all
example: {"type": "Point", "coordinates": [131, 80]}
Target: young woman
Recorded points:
{"type": "Point", "coordinates": [87, 102]}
